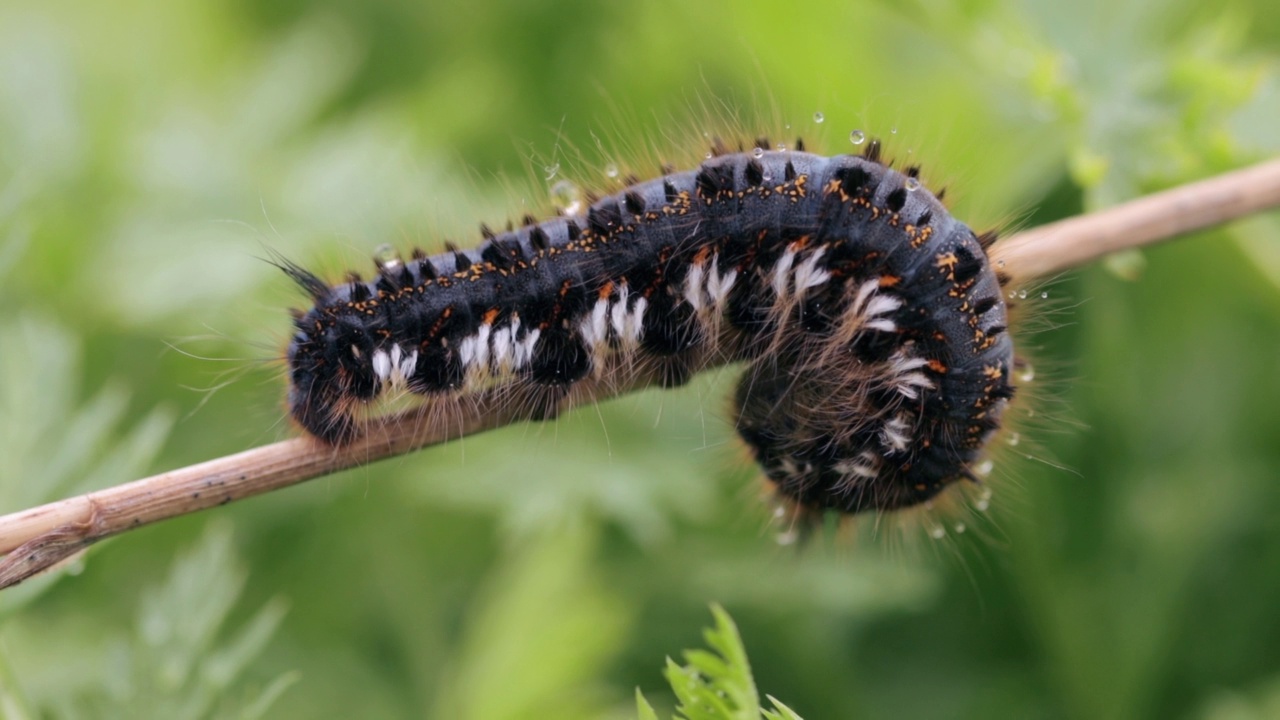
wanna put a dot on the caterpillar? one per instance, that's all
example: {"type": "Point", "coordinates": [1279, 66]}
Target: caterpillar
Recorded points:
{"type": "Point", "coordinates": [870, 320]}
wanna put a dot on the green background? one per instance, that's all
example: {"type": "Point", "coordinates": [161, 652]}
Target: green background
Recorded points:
{"type": "Point", "coordinates": [151, 153]}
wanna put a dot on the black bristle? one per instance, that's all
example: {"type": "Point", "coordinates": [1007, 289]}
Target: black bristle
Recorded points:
{"type": "Point", "coordinates": [925, 218]}
{"type": "Point", "coordinates": [872, 152]}
{"type": "Point", "coordinates": [461, 261]}
{"type": "Point", "coordinates": [634, 202]}
{"type": "Point", "coordinates": [486, 232]}
{"type": "Point", "coordinates": [985, 304]}
{"type": "Point", "coordinates": [538, 239]}
{"type": "Point", "coordinates": [763, 143]}
{"type": "Point", "coordinates": [426, 269]}
{"type": "Point", "coordinates": [967, 266]}
{"type": "Point", "coordinates": [359, 291]}
{"type": "Point", "coordinates": [312, 285]}
{"type": "Point", "coordinates": [528, 220]}
{"type": "Point", "coordinates": [494, 254]}
{"type": "Point", "coordinates": [941, 194]}
{"type": "Point", "coordinates": [418, 254]}
{"type": "Point", "coordinates": [852, 179]}
{"type": "Point", "coordinates": [1003, 392]}
{"type": "Point", "coordinates": [913, 171]}
{"type": "Point", "coordinates": [707, 185]}
{"type": "Point", "coordinates": [669, 191]}
{"type": "Point", "coordinates": [603, 219]}
{"type": "Point", "coordinates": [718, 147]}
{"type": "Point", "coordinates": [755, 172]}
{"type": "Point", "coordinates": [988, 238]}
{"type": "Point", "coordinates": [574, 230]}
{"type": "Point", "coordinates": [995, 330]}
{"type": "Point", "coordinates": [630, 179]}
{"type": "Point", "coordinates": [666, 169]}
{"type": "Point", "coordinates": [799, 144]}
{"type": "Point", "coordinates": [789, 173]}
{"type": "Point", "coordinates": [896, 199]}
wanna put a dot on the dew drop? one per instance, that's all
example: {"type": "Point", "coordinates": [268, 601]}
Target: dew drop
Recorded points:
{"type": "Point", "coordinates": [787, 126]}
{"type": "Point", "coordinates": [1022, 294]}
{"type": "Point", "coordinates": [893, 131]}
{"type": "Point", "coordinates": [611, 170]}
{"type": "Point", "coordinates": [708, 155]}
{"type": "Point", "coordinates": [551, 170]}
{"type": "Point", "coordinates": [984, 468]}
{"type": "Point", "coordinates": [782, 147]}
{"type": "Point", "coordinates": [857, 137]}
{"type": "Point", "coordinates": [787, 538]}
{"type": "Point", "coordinates": [983, 503]}
{"type": "Point", "coordinates": [1014, 439]}
{"type": "Point", "coordinates": [999, 263]}
{"type": "Point", "coordinates": [819, 117]}
{"type": "Point", "coordinates": [960, 528]}
{"type": "Point", "coordinates": [1044, 296]}
{"type": "Point", "coordinates": [757, 153]}
{"type": "Point", "coordinates": [385, 257]}
{"type": "Point", "coordinates": [779, 511]}
{"type": "Point", "coordinates": [566, 198]}
{"type": "Point", "coordinates": [938, 532]}
{"type": "Point", "coordinates": [912, 184]}
{"type": "Point", "coordinates": [1027, 374]}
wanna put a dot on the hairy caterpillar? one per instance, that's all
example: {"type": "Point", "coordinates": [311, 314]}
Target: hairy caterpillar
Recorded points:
{"type": "Point", "coordinates": [871, 321]}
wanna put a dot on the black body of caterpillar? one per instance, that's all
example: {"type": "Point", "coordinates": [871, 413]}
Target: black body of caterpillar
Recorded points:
{"type": "Point", "coordinates": [871, 321]}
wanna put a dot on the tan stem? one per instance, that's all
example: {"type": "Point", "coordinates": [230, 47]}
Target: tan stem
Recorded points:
{"type": "Point", "coordinates": [40, 537]}
{"type": "Point", "coordinates": [1050, 249]}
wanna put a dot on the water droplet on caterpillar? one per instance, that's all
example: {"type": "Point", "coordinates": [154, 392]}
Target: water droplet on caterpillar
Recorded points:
{"type": "Point", "coordinates": [938, 532]}
{"type": "Point", "coordinates": [611, 170]}
{"type": "Point", "coordinates": [566, 197]}
{"type": "Point", "coordinates": [984, 468]}
{"type": "Point", "coordinates": [959, 528]}
{"type": "Point", "coordinates": [857, 137]}
{"type": "Point", "coordinates": [818, 117]}
{"type": "Point", "coordinates": [385, 257]}
{"type": "Point", "coordinates": [1044, 296]}
{"type": "Point", "coordinates": [912, 184]}
{"type": "Point", "coordinates": [551, 170]}
{"type": "Point", "coordinates": [757, 153]}
{"type": "Point", "coordinates": [1022, 294]}
{"type": "Point", "coordinates": [1027, 374]}
{"type": "Point", "coordinates": [1014, 439]}
{"type": "Point", "coordinates": [983, 503]}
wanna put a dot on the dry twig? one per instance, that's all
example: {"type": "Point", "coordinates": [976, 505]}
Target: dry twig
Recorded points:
{"type": "Point", "coordinates": [38, 538]}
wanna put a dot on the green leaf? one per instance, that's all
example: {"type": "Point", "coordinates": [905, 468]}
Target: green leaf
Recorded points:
{"type": "Point", "coordinates": [717, 685]}
{"type": "Point", "coordinates": [644, 711]}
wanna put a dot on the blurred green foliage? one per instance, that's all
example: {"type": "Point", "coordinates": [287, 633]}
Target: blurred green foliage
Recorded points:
{"type": "Point", "coordinates": [1129, 565]}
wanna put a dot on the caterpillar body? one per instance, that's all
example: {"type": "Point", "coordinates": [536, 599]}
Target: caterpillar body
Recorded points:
{"type": "Point", "coordinates": [871, 321]}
